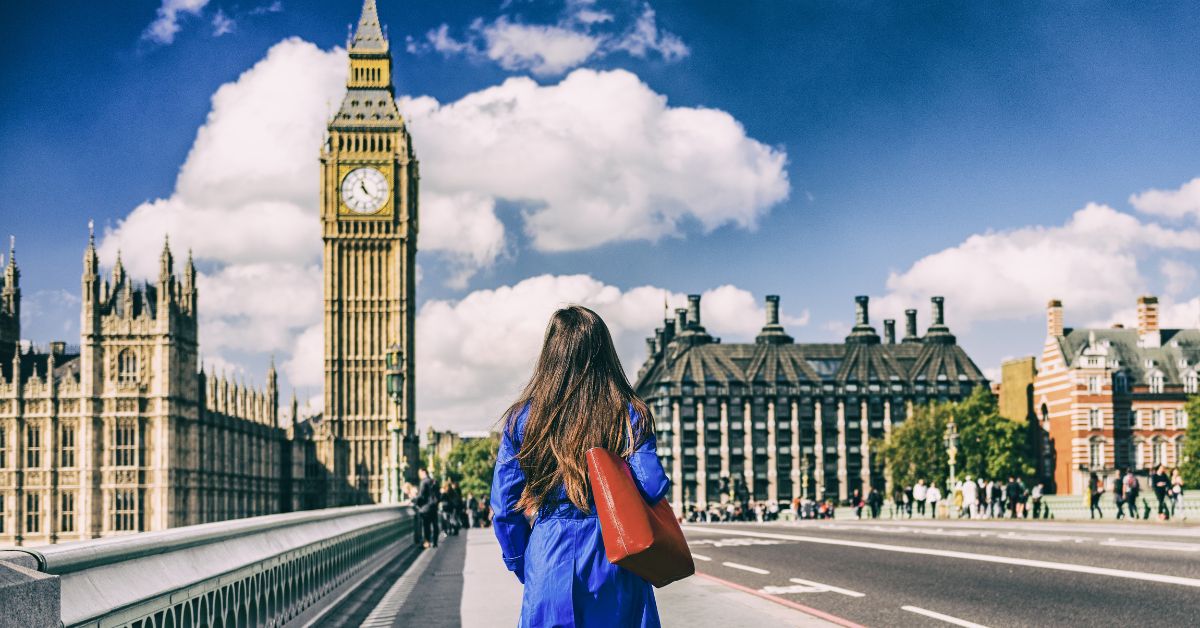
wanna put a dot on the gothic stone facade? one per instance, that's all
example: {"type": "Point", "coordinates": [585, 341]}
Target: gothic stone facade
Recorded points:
{"type": "Point", "coordinates": [781, 418]}
{"type": "Point", "coordinates": [1114, 398]}
{"type": "Point", "coordinates": [369, 180]}
{"type": "Point", "coordinates": [125, 433]}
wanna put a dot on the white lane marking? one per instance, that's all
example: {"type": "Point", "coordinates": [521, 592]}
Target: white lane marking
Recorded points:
{"type": "Point", "coordinates": [700, 557]}
{"type": "Point", "coordinates": [1162, 545]}
{"type": "Point", "coordinates": [791, 588]}
{"type": "Point", "coordinates": [747, 568]}
{"type": "Point", "coordinates": [734, 542]}
{"type": "Point", "coordinates": [1003, 560]}
{"type": "Point", "coordinates": [827, 587]}
{"type": "Point", "coordinates": [946, 618]}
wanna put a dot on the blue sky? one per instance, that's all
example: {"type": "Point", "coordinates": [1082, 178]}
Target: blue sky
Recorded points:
{"type": "Point", "coordinates": [927, 148]}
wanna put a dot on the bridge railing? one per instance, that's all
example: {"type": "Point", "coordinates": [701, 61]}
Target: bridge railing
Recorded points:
{"type": "Point", "coordinates": [261, 571]}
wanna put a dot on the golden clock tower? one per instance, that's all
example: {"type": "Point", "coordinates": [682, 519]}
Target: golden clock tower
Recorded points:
{"type": "Point", "coordinates": [369, 175]}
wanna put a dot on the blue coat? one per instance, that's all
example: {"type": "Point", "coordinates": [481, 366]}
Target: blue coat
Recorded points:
{"type": "Point", "coordinates": [560, 558]}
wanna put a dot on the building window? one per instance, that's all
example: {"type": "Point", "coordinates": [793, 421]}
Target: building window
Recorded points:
{"type": "Point", "coordinates": [1179, 457]}
{"type": "Point", "coordinates": [1096, 454]}
{"type": "Point", "coordinates": [67, 439]}
{"type": "Point", "coordinates": [1156, 383]}
{"type": "Point", "coordinates": [125, 444]}
{"type": "Point", "coordinates": [33, 447]}
{"type": "Point", "coordinates": [127, 366]}
{"type": "Point", "coordinates": [124, 516]}
{"type": "Point", "coordinates": [2, 517]}
{"type": "Point", "coordinates": [1095, 419]}
{"type": "Point", "coordinates": [1093, 384]}
{"type": "Point", "coordinates": [1191, 384]}
{"type": "Point", "coordinates": [67, 511]}
{"type": "Point", "coordinates": [1181, 419]}
{"type": "Point", "coordinates": [1159, 452]}
{"type": "Point", "coordinates": [1157, 417]}
{"type": "Point", "coordinates": [33, 513]}
{"type": "Point", "coordinates": [3, 448]}
{"type": "Point", "coordinates": [1121, 383]}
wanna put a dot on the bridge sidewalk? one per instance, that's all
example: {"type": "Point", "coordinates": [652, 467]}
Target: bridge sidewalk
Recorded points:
{"type": "Point", "coordinates": [492, 597]}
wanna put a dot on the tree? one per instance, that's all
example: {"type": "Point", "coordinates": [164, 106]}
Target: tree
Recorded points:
{"type": "Point", "coordinates": [989, 445]}
{"type": "Point", "coordinates": [471, 463]}
{"type": "Point", "coordinates": [1190, 467]}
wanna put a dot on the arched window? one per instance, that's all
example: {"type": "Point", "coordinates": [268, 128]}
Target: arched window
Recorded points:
{"type": "Point", "coordinates": [1096, 453]}
{"type": "Point", "coordinates": [1159, 452]}
{"type": "Point", "coordinates": [127, 367]}
{"type": "Point", "coordinates": [1191, 383]}
{"type": "Point", "coordinates": [1121, 383]}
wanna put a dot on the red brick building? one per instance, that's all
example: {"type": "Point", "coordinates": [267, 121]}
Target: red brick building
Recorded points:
{"type": "Point", "coordinates": [1112, 398]}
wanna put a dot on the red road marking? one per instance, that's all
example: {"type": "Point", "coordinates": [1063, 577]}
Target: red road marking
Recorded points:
{"type": "Point", "coordinates": [778, 600]}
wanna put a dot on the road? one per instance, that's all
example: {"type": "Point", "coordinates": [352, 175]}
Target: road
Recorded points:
{"type": "Point", "coordinates": [990, 573]}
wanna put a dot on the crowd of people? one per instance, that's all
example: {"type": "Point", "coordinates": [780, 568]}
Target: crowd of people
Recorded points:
{"type": "Point", "coordinates": [442, 509]}
{"type": "Point", "coordinates": [971, 498]}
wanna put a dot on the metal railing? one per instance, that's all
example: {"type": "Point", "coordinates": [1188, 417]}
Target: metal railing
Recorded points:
{"type": "Point", "coordinates": [261, 571]}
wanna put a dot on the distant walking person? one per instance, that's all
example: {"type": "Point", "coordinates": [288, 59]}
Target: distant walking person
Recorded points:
{"type": "Point", "coordinates": [1036, 496]}
{"type": "Point", "coordinates": [1118, 490]}
{"type": "Point", "coordinates": [1161, 483]}
{"type": "Point", "coordinates": [427, 507]}
{"type": "Point", "coordinates": [919, 493]}
{"type": "Point", "coordinates": [1095, 490]}
{"type": "Point", "coordinates": [933, 495]}
{"type": "Point", "coordinates": [1012, 494]}
{"type": "Point", "coordinates": [1132, 488]}
{"type": "Point", "coordinates": [970, 498]}
{"type": "Point", "coordinates": [1176, 492]}
{"type": "Point", "coordinates": [577, 398]}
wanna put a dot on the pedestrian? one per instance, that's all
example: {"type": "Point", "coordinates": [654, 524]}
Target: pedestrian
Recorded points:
{"type": "Point", "coordinates": [874, 502]}
{"type": "Point", "coordinates": [472, 507]}
{"type": "Point", "coordinates": [856, 500]}
{"type": "Point", "coordinates": [1132, 488]}
{"type": "Point", "coordinates": [1095, 488]}
{"type": "Point", "coordinates": [577, 398]}
{"type": "Point", "coordinates": [1036, 496]}
{"type": "Point", "coordinates": [920, 492]}
{"type": "Point", "coordinates": [908, 500]}
{"type": "Point", "coordinates": [970, 498]}
{"type": "Point", "coordinates": [1118, 491]}
{"type": "Point", "coordinates": [933, 495]}
{"type": "Point", "coordinates": [1161, 483]}
{"type": "Point", "coordinates": [1177, 493]}
{"type": "Point", "coordinates": [1012, 496]}
{"type": "Point", "coordinates": [427, 507]}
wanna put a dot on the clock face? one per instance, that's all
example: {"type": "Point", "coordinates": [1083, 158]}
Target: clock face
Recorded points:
{"type": "Point", "coordinates": [364, 190]}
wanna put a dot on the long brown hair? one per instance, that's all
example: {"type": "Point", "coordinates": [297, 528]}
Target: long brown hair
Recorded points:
{"type": "Point", "coordinates": [578, 398]}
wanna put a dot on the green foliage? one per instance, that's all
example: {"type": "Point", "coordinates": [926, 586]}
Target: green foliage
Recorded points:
{"type": "Point", "coordinates": [1190, 469]}
{"type": "Point", "coordinates": [989, 445]}
{"type": "Point", "coordinates": [470, 463]}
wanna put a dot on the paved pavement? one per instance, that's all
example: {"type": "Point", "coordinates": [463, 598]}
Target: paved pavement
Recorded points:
{"type": "Point", "coordinates": [965, 573]}
{"type": "Point", "coordinates": [464, 583]}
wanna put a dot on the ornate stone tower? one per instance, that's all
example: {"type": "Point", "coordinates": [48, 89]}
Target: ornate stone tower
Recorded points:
{"type": "Point", "coordinates": [10, 306]}
{"type": "Point", "coordinates": [369, 221]}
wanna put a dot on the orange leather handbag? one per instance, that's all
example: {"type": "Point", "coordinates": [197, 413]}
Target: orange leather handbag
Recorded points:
{"type": "Point", "coordinates": [644, 539]}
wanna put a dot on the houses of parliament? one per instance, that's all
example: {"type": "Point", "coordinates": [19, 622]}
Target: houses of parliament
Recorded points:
{"type": "Point", "coordinates": [126, 432]}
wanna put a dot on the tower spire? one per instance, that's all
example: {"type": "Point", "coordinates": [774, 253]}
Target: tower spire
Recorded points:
{"type": "Point", "coordinates": [369, 35]}
{"type": "Point", "coordinates": [90, 261]}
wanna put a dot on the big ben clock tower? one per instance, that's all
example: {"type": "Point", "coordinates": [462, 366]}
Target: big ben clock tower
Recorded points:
{"type": "Point", "coordinates": [366, 441]}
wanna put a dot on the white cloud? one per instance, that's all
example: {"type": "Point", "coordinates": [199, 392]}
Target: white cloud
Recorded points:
{"type": "Point", "coordinates": [163, 29]}
{"type": "Point", "coordinates": [1179, 275]}
{"type": "Point", "coordinates": [222, 24]}
{"type": "Point", "coordinates": [1091, 263]}
{"type": "Point", "coordinates": [1178, 203]}
{"type": "Point", "coordinates": [597, 158]}
{"type": "Point", "coordinates": [581, 34]}
{"type": "Point", "coordinates": [475, 354]}
{"type": "Point", "coordinates": [274, 7]}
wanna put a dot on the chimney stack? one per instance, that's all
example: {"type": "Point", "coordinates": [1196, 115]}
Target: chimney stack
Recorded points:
{"type": "Point", "coordinates": [680, 320]}
{"type": "Point", "coordinates": [910, 326]}
{"type": "Point", "coordinates": [693, 310]}
{"type": "Point", "coordinates": [1054, 318]}
{"type": "Point", "coordinates": [772, 309]}
{"type": "Point", "coordinates": [861, 314]}
{"type": "Point", "coordinates": [889, 331]}
{"type": "Point", "coordinates": [939, 313]}
{"type": "Point", "coordinates": [1148, 322]}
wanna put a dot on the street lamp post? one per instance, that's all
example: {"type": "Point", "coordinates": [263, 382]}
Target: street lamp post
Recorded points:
{"type": "Point", "coordinates": [951, 442]}
{"type": "Point", "coordinates": [395, 389]}
{"type": "Point", "coordinates": [804, 476]}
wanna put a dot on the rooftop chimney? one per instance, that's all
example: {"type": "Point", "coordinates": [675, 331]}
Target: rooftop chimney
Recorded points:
{"type": "Point", "coordinates": [910, 326]}
{"type": "Point", "coordinates": [680, 320]}
{"type": "Point", "coordinates": [889, 331]}
{"type": "Point", "coordinates": [1148, 322]}
{"type": "Point", "coordinates": [862, 331]}
{"type": "Point", "coordinates": [938, 332]}
{"type": "Point", "coordinates": [1054, 318]}
{"type": "Point", "coordinates": [693, 310]}
{"type": "Point", "coordinates": [772, 333]}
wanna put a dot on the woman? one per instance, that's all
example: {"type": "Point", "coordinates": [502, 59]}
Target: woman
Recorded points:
{"type": "Point", "coordinates": [577, 398]}
{"type": "Point", "coordinates": [1095, 490]}
{"type": "Point", "coordinates": [1176, 492]}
